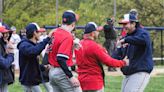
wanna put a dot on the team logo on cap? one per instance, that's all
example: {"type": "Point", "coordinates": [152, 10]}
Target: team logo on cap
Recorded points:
{"type": "Point", "coordinates": [64, 19]}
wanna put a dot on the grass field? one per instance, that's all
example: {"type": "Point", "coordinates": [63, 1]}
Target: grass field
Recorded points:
{"type": "Point", "coordinates": [113, 84]}
{"type": "Point", "coordinates": [156, 84]}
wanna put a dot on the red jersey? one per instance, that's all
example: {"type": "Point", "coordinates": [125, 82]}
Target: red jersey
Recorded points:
{"type": "Point", "coordinates": [87, 58]}
{"type": "Point", "coordinates": [62, 45]}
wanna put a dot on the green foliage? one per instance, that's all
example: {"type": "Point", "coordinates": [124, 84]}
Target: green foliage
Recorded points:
{"type": "Point", "coordinates": [21, 12]}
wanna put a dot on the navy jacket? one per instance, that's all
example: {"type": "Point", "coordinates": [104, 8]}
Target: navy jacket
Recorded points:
{"type": "Point", "coordinates": [138, 51]}
{"type": "Point", "coordinates": [5, 64]}
{"type": "Point", "coordinates": [30, 72]}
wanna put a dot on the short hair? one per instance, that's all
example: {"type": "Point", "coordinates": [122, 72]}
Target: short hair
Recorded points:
{"type": "Point", "coordinates": [30, 35]}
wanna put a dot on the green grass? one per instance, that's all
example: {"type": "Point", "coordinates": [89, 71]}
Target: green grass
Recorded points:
{"type": "Point", "coordinates": [16, 87]}
{"type": "Point", "coordinates": [113, 84]}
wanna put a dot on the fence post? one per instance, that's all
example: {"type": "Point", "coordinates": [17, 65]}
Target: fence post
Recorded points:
{"type": "Point", "coordinates": [1, 8]}
{"type": "Point", "coordinates": [161, 47]}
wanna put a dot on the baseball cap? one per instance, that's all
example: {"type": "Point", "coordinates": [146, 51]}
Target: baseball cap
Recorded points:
{"type": "Point", "coordinates": [128, 18]}
{"type": "Point", "coordinates": [69, 17]}
{"type": "Point", "coordinates": [90, 27]}
{"type": "Point", "coordinates": [13, 28]}
{"type": "Point", "coordinates": [42, 30]}
{"type": "Point", "coordinates": [31, 27]}
{"type": "Point", "coordinates": [133, 12]}
{"type": "Point", "coordinates": [6, 26]}
{"type": "Point", "coordinates": [3, 29]}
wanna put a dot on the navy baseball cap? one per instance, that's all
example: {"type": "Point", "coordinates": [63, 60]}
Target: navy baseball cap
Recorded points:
{"type": "Point", "coordinates": [128, 18]}
{"type": "Point", "coordinates": [6, 26]}
{"type": "Point", "coordinates": [133, 12]}
{"type": "Point", "coordinates": [69, 17]}
{"type": "Point", "coordinates": [90, 27]}
{"type": "Point", "coordinates": [31, 27]}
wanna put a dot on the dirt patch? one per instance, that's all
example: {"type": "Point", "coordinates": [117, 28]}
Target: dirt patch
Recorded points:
{"type": "Point", "coordinates": [155, 72]}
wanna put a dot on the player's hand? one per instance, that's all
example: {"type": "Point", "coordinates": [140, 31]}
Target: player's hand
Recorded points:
{"type": "Point", "coordinates": [75, 82]}
{"type": "Point", "coordinates": [122, 41]}
{"type": "Point", "coordinates": [77, 44]}
{"type": "Point", "coordinates": [10, 48]}
{"type": "Point", "coordinates": [47, 67]}
{"type": "Point", "coordinates": [125, 45]}
{"type": "Point", "coordinates": [126, 60]}
{"type": "Point", "coordinates": [50, 33]}
{"type": "Point", "coordinates": [119, 43]}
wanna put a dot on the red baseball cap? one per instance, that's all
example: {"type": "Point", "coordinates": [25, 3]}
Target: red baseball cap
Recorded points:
{"type": "Point", "coordinates": [3, 30]}
{"type": "Point", "coordinates": [125, 20]}
{"type": "Point", "coordinates": [128, 18]}
{"type": "Point", "coordinates": [42, 30]}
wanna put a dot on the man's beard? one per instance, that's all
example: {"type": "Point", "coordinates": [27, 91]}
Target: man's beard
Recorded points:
{"type": "Point", "coordinates": [37, 38]}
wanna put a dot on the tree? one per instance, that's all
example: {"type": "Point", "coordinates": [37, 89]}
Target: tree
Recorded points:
{"type": "Point", "coordinates": [22, 12]}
